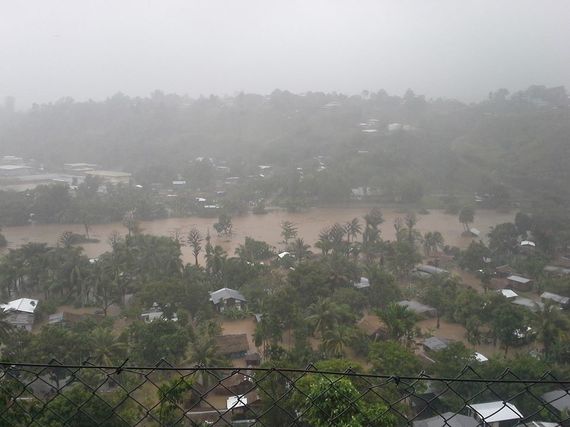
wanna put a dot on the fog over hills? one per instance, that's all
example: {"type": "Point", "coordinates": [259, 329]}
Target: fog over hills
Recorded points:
{"type": "Point", "coordinates": [446, 48]}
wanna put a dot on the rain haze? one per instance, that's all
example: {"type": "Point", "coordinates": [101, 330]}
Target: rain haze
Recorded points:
{"type": "Point", "coordinates": [455, 49]}
{"type": "Point", "coordinates": [317, 213]}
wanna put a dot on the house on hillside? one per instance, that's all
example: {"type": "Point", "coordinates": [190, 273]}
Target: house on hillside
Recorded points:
{"type": "Point", "coordinates": [227, 299]}
{"type": "Point", "coordinates": [20, 313]}
{"type": "Point", "coordinates": [418, 308]}
{"type": "Point", "coordinates": [495, 414]}
{"type": "Point", "coordinates": [232, 346]}
{"type": "Point", "coordinates": [449, 419]}
{"type": "Point", "coordinates": [564, 302]}
{"type": "Point", "coordinates": [519, 283]}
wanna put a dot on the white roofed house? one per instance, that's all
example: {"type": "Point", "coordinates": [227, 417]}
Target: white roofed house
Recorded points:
{"type": "Point", "coordinates": [495, 414]}
{"type": "Point", "coordinates": [226, 298]}
{"type": "Point", "coordinates": [20, 313]}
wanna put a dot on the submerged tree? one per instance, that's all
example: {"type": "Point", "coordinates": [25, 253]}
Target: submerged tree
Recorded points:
{"type": "Point", "coordinates": [194, 240]}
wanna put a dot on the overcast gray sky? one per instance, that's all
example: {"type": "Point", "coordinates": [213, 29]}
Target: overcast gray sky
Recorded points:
{"type": "Point", "coordinates": [451, 48]}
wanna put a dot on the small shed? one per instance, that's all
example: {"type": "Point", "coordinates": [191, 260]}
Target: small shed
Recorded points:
{"type": "Point", "coordinates": [519, 283]}
{"type": "Point", "coordinates": [233, 346]}
{"type": "Point", "coordinates": [474, 232]}
{"type": "Point", "coordinates": [433, 344]}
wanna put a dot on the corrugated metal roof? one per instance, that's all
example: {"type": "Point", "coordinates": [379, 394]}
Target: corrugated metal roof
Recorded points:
{"type": "Point", "coordinates": [224, 294]}
{"type": "Point", "coordinates": [496, 411]}
{"type": "Point", "coordinates": [25, 305]}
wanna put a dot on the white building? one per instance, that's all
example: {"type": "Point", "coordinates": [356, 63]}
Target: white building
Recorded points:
{"type": "Point", "coordinates": [20, 312]}
{"type": "Point", "coordinates": [495, 414]}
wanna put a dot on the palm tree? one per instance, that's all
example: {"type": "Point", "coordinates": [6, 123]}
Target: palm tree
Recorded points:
{"type": "Point", "coordinates": [324, 243]}
{"type": "Point", "coordinates": [300, 249]}
{"type": "Point", "coordinates": [323, 315]}
{"type": "Point", "coordinates": [215, 260]}
{"type": "Point", "coordinates": [66, 239]}
{"type": "Point", "coordinates": [466, 216]}
{"type": "Point", "coordinates": [432, 241]}
{"type": "Point", "coordinates": [337, 339]}
{"type": "Point", "coordinates": [399, 321]}
{"type": "Point", "coordinates": [288, 231]}
{"type": "Point", "coordinates": [551, 326]}
{"type": "Point", "coordinates": [106, 348]}
{"type": "Point", "coordinates": [353, 229]}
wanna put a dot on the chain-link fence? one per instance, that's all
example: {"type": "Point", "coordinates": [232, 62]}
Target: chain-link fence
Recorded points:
{"type": "Point", "coordinates": [86, 395]}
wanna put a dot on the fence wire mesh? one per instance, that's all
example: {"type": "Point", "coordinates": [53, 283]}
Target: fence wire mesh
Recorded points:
{"type": "Point", "coordinates": [55, 394]}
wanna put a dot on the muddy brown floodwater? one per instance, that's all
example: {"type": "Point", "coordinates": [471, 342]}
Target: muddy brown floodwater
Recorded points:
{"type": "Point", "coordinates": [261, 227]}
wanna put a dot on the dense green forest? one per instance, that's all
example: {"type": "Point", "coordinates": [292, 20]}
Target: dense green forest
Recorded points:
{"type": "Point", "coordinates": [510, 144]}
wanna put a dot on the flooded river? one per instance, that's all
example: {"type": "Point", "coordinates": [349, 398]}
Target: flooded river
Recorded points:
{"type": "Point", "coordinates": [261, 227]}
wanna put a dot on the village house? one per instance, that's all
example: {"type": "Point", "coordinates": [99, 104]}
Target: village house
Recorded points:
{"type": "Point", "coordinates": [495, 414]}
{"type": "Point", "coordinates": [508, 293]}
{"type": "Point", "coordinates": [110, 177]}
{"type": "Point", "coordinates": [252, 359]}
{"type": "Point", "coordinates": [362, 284]}
{"type": "Point", "coordinates": [449, 419]}
{"type": "Point", "coordinates": [519, 283]}
{"type": "Point", "coordinates": [232, 346]}
{"type": "Point", "coordinates": [227, 299]}
{"type": "Point", "coordinates": [563, 302]}
{"type": "Point", "coordinates": [527, 303]}
{"type": "Point", "coordinates": [418, 308]}
{"type": "Point", "coordinates": [20, 313]}
{"type": "Point", "coordinates": [557, 270]}
{"type": "Point", "coordinates": [373, 327]}
{"type": "Point", "coordinates": [433, 344]}
{"type": "Point", "coordinates": [428, 270]}
{"type": "Point", "coordinates": [504, 271]}
{"type": "Point", "coordinates": [156, 313]}
{"type": "Point", "coordinates": [558, 400]}
{"type": "Point", "coordinates": [65, 318]}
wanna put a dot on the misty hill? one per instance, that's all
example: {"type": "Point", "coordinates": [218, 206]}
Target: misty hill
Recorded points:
{"type": "Point", "coordinates": [389, 143]}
